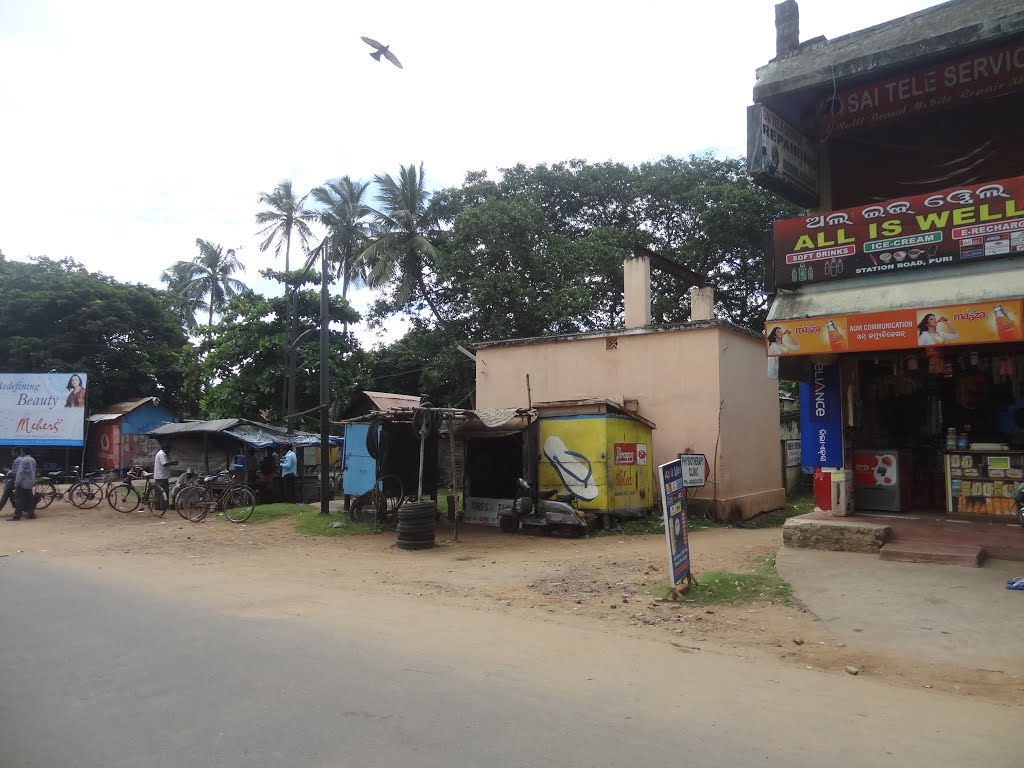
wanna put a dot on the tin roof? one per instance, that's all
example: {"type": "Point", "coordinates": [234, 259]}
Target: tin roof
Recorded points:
{"type": "Point", "coordinates": [250, 432]}
{"type": "Point", "coordinates": [117, 410]}
{"type": "Point", "coordinates": [387, 401]}
{"type": "Point", "coordinates": [600, 403]}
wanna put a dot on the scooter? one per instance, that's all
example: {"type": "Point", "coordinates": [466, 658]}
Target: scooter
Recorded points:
{"type": "Point", "coordinates": [547, 511]}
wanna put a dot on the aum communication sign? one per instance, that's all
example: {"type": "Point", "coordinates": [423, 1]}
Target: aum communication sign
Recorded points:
{"type": "Point", "coordinates": [44, 409]}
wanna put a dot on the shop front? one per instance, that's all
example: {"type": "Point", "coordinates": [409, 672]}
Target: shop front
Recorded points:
{"type": "Point", "coordinates": [906, 333]}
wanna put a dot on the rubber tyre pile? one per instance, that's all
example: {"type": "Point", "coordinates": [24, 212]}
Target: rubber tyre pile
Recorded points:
{"type": "Point", "coordinates": [416, 526]}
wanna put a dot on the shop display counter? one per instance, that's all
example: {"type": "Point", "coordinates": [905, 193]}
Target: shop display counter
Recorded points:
{"type": "Point", "coordinates": [982, 482]}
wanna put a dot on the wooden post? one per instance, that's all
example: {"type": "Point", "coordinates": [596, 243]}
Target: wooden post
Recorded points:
{"type": "Point", "coordinates": [455, 481]}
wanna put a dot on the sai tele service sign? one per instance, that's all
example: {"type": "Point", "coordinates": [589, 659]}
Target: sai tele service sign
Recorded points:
{"type": "Point", "coordinates": [42, 408]}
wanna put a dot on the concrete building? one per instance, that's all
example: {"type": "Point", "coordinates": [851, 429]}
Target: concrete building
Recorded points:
{"type": "Point", "coordinates": [702, 383]}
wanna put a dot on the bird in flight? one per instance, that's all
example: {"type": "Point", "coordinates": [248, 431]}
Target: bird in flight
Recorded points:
{"type": "Point", "coordinates": [382, 50]}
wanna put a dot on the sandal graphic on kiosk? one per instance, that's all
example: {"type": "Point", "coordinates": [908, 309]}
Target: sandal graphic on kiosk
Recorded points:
{"type": "Point", "coordinates": [573, 468]}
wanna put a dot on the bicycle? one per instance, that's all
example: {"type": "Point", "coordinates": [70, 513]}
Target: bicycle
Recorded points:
{"type": "Point", "coordinates": [125, 497]}
{"type": "Point", "coordinates": [381, 503]}
{"type": "Point", "coordinates": [235, 500]}
{"type": "Point", "coordinates": [83, 493]}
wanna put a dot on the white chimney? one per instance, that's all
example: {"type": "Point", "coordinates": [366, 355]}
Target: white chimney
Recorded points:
{"type": "Point", "coordinates": [702, 303]}
{"type": "Point", "coordinates": [636, 280]}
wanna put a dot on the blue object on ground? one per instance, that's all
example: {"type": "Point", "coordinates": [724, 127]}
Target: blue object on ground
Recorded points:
{"type": "Point", "coordinates": [1018, 584]}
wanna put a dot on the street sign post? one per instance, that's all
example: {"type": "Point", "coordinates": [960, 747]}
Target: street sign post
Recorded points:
{"type": "Point", "coordinates": [695, 469]}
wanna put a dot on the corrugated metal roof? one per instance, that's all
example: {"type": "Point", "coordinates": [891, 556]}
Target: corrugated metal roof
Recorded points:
{"type": "Point", "coordinates": [387, 401]}
{"type": "Point", "coordinates": [602, 403]}
{"type": "Point", "coordinates": [250, 432]}
{"type": "Point", "coordinates": [197, 427]}
{"type": "Point", "coordinates": [117, 410]}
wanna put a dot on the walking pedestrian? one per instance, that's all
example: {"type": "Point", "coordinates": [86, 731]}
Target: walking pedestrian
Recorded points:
{"type": "Point", "coordinates": [24, 487]}
{"type": "Point", "coordinates": [289, 470]}
{"type": "Point", "coordinates": [9, 480]}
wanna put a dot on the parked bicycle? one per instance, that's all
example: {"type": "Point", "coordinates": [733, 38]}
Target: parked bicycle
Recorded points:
{"type": "Point", "coordinates": [83, 492]}
{"type": "Point", "coordinates": [220, 492]}
{"type": "Point", "coordinates": [381, 503]}
{"type": "Point", "coordinates": [126, 497]}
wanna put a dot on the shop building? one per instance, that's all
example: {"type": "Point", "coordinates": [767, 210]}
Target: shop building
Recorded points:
{"type": "Point", "coordinates": [898, 299]}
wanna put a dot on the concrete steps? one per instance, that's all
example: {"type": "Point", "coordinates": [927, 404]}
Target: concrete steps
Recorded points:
{"type": "Point", "coordinates": [943, 553]}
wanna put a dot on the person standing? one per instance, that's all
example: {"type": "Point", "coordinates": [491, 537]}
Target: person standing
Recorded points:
{"type": "Point", "coordinates": [24, 487]}
{"type": "Point", "coordinates": [289, 470]}
{"type": "Point", "coordinates": [252, 469]}
{"type": "Point", "coordinates": [162, 464]}
{"type": "Point", "coordinates": [9, 481]}
{"type": "Point", "coordinates": [268, 471]}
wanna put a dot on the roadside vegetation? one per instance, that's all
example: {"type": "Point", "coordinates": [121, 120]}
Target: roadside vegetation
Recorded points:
{"type": "Point", "coordinates": [760, 584]}
{"type": "Point", "coordinates": [309, 520]}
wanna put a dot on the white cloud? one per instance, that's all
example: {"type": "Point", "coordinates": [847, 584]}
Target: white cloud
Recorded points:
{"type": "Point", "coordinates": [130, 129]}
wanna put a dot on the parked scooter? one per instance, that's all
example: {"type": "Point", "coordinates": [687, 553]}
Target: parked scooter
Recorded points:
{"type": "Point", "coordinates": [1020, 504]}
{"type": "Point", "coordinates": [547, 511]}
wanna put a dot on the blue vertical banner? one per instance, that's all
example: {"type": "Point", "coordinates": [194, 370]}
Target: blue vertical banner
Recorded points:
{"type": "Point", "coordinates": [821, 418]}
{"type": "Point", "coordinates": [673, 504]}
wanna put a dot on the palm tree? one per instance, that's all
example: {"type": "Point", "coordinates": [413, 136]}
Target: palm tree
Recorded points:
{"type": "Point", "coordinates": [182, 292]}
{"type": "Point", "coordinates": [401, 250]}
{"type": "Point", "coordinates": [212, 279]}
{"type": "Point", "coordinates": [285, 213]}
{"type": "Point", "coordinates": [344, 214]}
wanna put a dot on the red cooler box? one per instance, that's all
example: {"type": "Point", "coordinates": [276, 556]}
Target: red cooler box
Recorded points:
{"type": "Point", "coordinates": [876, 479]}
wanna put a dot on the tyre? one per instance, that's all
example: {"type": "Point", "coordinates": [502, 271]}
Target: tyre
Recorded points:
{"type": "Point", "coordinates": [180, 497]}
{"type": "Point", "coordinates": [155, 501]}
{"type": "Point", "coordinates": [195, 504]}
{"type": "Point", "coordinates": [424, 536]}
{"type": "Point", "coordinates": [239, 504]}
{"type": "Point", "coordinates": [123, 498]}
{"type": "Point", "coordinates": [417, 510]}
{"type": "Point", "coordinates": [416, 544]}
{"type": "Point", "coordinates": [45, 492]}
{"type": "Point", "coordinates": [86, 494]}
{"type": "Point", "coordinates": [390, 495]}
{"type": "Point", "coordinates": [362, 509]}
{"type": "Point", "coordinates": [427, 527]}
{"type": "Point", "coordinates": [508, 524]}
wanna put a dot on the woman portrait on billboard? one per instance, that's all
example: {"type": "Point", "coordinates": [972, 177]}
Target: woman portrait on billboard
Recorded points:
{"type": "Point", "coordinates": [780, 342]}
{"type": "Point", "coordinates": [76, 392]}
{"type": "Point", "coordinates": [934, 330]}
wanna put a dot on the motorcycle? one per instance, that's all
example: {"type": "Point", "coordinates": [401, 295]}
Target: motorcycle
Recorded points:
{"type": "Point", "coordinates": [547, 511]}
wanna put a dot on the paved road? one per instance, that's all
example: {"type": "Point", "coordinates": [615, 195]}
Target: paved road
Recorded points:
{"type": "Point", "coordinates": [96, 675]}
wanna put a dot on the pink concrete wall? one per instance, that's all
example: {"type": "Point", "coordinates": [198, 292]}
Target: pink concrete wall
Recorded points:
{"type": "Point", "coordinates": [677, 378]}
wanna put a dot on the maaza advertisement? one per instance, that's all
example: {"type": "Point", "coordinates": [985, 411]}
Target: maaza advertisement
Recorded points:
{"type": "Point", "coordinates": [925, 327]}
{"type": "Point", "coordinates": [42, 408]}
{"type": "Point", "coordinates": [955, 226]}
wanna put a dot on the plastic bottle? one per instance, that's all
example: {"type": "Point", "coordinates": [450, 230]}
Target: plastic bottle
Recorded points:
{"type": "Point", "coordinates": [836, 342]}
{"type": "Point", "coordinates": [1005, 327]}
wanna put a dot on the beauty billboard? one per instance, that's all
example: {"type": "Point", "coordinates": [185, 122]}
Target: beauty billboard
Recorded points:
{"type": "Point", "coordinates": [960, 225]}
{"type": "Point", "coordinates": [44, 409]}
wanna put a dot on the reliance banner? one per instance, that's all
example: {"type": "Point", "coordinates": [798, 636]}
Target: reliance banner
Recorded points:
{"type": "Point", "coordinates": [45, 409]}
{"type": "Point", "coordinates": [821, 418]}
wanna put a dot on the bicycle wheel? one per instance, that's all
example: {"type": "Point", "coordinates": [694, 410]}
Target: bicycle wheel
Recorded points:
{"type": "Point", "coordinates": [45, 492]}
{"type": "Point", "coordinates": [155, 500]}
{"type": "Point", "coordinates": [196, 504]}
{"type": "Point", "coordinates": [181, 497]}
{"type": "Point", "coordinates": [85, 494]}
{"type": "Point", "coordinates": [389, 495]}
{"type": "Point", "coordinates": [239, 504]}
{"type": "Point", "coordinates": [124, 498]}
{"type": "Point", "coordinates": [362, 509]}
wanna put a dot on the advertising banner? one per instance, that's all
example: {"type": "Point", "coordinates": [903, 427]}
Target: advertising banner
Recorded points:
{"type": "Point", "coordinates": [821, 418]}
{"type": "Point", "coordinates": [673, 503]}
{"type": "Point", "coordinates": [873, 469]}
{"type": "Point", "coordinates": [572, 458]}
{"type": "Point", "coordinates": [986, 322]}
{"type": "Point", "coordinates": [107, 439]}
{"type": "Point", "coordinates": [955, 226]}
{"type": "Point", "coordinates": [779, 157]}
{"type": "Point", "coordinates": [945, 85]}
{"type": "Point", "coordinates": [630, 454]}
{"type": "Point", "coordinates": [44, 409]}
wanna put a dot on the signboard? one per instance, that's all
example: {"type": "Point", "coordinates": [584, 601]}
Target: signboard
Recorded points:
{"type": "Point", "coordinates": [945, 85]}
{"type": "Point", "coordinates": [959, 225]}
{"type": "Point", "coordinates": [481, 511]}
{"type": "Point", "coordinates": [630, 454]}
{"type": "Point", "coordinates": [821, 418]}
{"type": "Point", "coordinates": [42, 409]}
{"type": "Point", "coordinates": [673, 503]}
{"type": "Point", "coordinates": [985, 322]}
{"type": "Point", "coordinates": [792, 453]}
{"type": "Point", "coordinates": [781, 158]}
{"type": "Point", "coordinates": [695, 469]}
{"type": "Point", "coordinates": [107, 439]}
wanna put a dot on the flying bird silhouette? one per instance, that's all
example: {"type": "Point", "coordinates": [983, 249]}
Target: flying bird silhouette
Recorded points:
{"type": "Point", "coordinates": [382, 50]}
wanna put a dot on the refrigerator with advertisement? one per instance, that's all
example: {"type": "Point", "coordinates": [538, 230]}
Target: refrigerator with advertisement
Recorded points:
{"type": "Point", "coordinates": [876, 479]}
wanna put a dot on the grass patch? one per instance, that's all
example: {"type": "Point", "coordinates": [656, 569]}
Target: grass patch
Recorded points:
{"type": "Point", "coordinates": [761, 583]}
{"type": "Point", "coordinates": [311, 522]}
{"type": "Point", "coordinates": [264, 513]}
{"type": "Point", "coordinates": [799, 502]}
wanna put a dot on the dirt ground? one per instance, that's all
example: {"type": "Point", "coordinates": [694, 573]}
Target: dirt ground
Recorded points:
{"type": "Point", "coordinates": [606, 583]}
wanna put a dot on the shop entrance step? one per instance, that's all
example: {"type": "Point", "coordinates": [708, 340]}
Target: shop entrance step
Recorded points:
{"type": "Point", "coordinates": [943, 553]}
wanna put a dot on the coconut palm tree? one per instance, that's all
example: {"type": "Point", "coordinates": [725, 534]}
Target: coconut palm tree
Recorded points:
{"type": "Point", "coordinates": [401, 250]}
{"type": "Point", "coordinates": [344, 214]}
{"type": "Point", "coordinates": [213, 281]}
{"type": "Point", "coordinates": [182, 292]}
{"type": "Point", "coordinates": [284, 215]}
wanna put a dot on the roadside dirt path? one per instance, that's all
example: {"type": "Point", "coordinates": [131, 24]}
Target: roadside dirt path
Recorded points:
{"type": "Point", "coordinates": [604, 583]}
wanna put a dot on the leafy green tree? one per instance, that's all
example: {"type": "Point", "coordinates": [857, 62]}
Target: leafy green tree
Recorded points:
{"type": "Point", "coordinates": [284, 216]}
{"type": "Point", "coordinates": [57, 316]}
{"type": "Point", "coordinates": [401, 253]}
{"type": "Point", "coordinates": [182, 292]}
{"type": "Point", "coordinates": [212, 282]}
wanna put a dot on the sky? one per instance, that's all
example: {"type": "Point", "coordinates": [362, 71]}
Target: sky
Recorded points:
{"type": "Point", "coordinates": [129, 129]}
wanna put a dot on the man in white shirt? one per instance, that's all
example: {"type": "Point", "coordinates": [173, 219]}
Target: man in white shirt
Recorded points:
{"type": "Point", "coordinates": [162, 469]}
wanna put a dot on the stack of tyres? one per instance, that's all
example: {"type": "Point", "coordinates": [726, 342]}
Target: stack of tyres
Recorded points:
{"type": "Point", "coordinates": [416, 525]}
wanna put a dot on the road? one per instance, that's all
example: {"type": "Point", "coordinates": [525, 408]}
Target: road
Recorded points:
{"type": "Point", "coordinates": [98, 674]}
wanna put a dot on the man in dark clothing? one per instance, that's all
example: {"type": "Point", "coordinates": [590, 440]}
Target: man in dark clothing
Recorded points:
{"type": "Point", "coordinates": [24, 487]}
{"type": "Point", "coordinates": [9, 480]}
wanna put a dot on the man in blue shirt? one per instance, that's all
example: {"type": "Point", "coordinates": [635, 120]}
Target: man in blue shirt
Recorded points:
{"type": "Point", "coordinates": [24, 482]}
{"type": "Point", "coordinates": [9, 480]}
{"type": "Point", "coordinates": [289, 469]}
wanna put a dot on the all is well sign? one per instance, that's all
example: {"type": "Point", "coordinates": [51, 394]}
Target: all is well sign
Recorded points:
{"type": "Point", "coordinates": [978, 323]}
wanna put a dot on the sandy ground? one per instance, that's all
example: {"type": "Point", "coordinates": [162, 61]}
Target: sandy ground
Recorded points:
{"type": "Point", "coordinates": [605, 584]}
